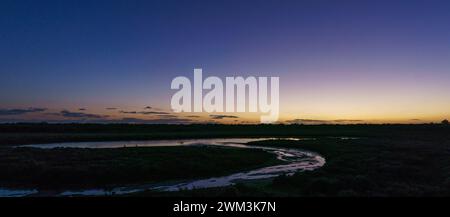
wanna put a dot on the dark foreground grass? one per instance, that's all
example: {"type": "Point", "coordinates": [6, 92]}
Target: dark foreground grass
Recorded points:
{"type": "Point", "coordinates": [82, 168]}
{"type": "Point", "coordinates": [364, 167]}
{"type": "Point", "coordinates": [386, 160]}
{"type": "Point", "coordinates": [416, 164]}
{"type": "Point", "coordinates": [372, 167]}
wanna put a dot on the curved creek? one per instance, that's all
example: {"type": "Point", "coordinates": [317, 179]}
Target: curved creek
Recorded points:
{"type": "Point", "coordinates": [295, 160]}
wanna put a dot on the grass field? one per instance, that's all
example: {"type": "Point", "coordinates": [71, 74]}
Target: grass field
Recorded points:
{"type": "Point", "coordinates": [385, 160]}
{"type": "Point", "coordinates": [77, 168]}
{"type": "Point", "coordinates": [368, 167]}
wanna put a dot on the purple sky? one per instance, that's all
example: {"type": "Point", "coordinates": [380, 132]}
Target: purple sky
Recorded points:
{"type": "Point", "coordinates": [338, 61]}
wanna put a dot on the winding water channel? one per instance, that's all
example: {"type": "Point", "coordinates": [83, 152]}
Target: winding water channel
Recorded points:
{"type": "Point", "coordinates": [295, 160]}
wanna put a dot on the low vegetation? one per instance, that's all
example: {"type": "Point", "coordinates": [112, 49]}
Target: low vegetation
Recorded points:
{"type": "Point", "coordinates": [384, 160]}
{"type": "Point", "coordinates": [86, 168]}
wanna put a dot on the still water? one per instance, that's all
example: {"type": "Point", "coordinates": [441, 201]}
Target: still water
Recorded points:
{"type": "Point", "coordinates": [294, 160]}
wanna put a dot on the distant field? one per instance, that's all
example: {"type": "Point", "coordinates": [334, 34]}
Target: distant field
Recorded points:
{"type": "Point", "coordinates": [13, 134]}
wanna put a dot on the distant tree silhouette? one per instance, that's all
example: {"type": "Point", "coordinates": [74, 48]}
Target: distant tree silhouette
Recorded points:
{"type": "Point", "coordinates": [445, 122]}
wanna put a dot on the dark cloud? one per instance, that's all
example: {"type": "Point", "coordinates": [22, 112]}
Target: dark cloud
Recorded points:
{"type": "Point", "coordinates": [167, 116]}
{"type": "Point", "coordinates": [16, 111]}
{"type": "Point", "coordinates": [69, 114]}
{"type": "Point", "coordinates": [415, 119]}
{"type": "Point", "coordinates": [144, 112]}
{"type": "Point", "coordinates": [153, 121]}
{"type": "Point", "coordinates": [81, 109]}
{"type": "Point", "coordinates": [154, 113]}
{"type": "Point", "coordinates": [216, 117]}
{"type": "Point", "coordinates": [193, 116]}
{"type": "Point", "coordinates": [128, 112]}
{"type": "Point", "coordinates": [148, 107]}
{"type": "Point", "coordinates": [111, 108]}
{"type": "Point", "coordinates": [318, 121]}
{"type": "Point", "coordinates": [346, 120]}
{"type": "Point", "coordinates": [307, 121]}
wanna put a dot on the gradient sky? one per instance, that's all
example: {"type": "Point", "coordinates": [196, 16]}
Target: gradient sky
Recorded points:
{"type": "Point", "coordinates": [338, 61]}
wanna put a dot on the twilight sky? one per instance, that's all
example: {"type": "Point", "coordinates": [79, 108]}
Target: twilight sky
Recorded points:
{"type": "Point", "coordinates": [338, 61]}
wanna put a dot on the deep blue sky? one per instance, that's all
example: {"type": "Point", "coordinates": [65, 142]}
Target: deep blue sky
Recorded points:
{"type": "Point", "coordinates": [370, 60]}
